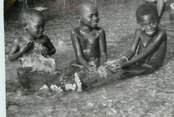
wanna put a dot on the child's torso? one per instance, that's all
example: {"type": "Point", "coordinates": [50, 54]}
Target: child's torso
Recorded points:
{"type": "Point", "coordinates": [34, 58]}
{"type": "Point", "coordinates": [37, 46]}
{"type": "Point", "coordinates": [157, 56]}
{"type": "Point", "coordinates": [89, 43]}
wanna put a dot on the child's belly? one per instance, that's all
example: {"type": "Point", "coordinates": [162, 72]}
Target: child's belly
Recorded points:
{"type": "Point", "coordinates": [91, 53]}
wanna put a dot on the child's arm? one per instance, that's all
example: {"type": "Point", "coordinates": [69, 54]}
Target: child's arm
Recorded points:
{"type": "Point", "coordinates": [17, 51]}
{"type": "Point", "coordinates": [50, 49]}
{"type": "Point", "coordinates": [150, 49]}
{"type": "Point", "coordinates": [102, 44]}
{"type": "Point", "coordinates": [131, 52]}
{"type": "Point", "coordinates": [77, 49]}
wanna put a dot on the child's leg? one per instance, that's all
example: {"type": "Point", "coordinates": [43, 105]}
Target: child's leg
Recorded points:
{"type": "Point", "coordinates": [33, 81]}
{"type": "Point", "coordinates": [97, 81]}
{"type": "Point", "coordinates": [68, 78]}
{"type": "Point", "coordinates": [136, 70]}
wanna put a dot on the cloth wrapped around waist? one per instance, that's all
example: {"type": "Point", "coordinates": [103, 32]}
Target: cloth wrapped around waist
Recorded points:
{"type": "Point", "coordinates": [38, 63]}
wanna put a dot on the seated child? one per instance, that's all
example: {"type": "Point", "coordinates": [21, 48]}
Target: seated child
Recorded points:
{"type": "Point", "coordinates": [149, 47]}
{"type": "Point", "coordinates": [33, 49]}
{"type": "Point", "coordinates": [89, 42]}
{"type": "Point", "coordinates": [88, 39]}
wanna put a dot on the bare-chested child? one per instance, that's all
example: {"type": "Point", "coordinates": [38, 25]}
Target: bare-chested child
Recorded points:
{"type": "Point", "coordinates": [33, 49]}
{"type": "Point", "coordinates": [89, 43]}
{"type": "Point", "coordinates": [149, 47]}
{"type": "Point", "coordinates": [88, 38]}
{"type": "Point", "coordinates": [33, 24]}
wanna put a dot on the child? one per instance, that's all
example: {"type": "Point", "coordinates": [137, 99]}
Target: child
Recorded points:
{"type": "Point", "coordinates": [149, 47]}
{"type": "Point", "coordinates": [89, 43]}
{"type": "Point", "coordinates": [33, 49]}
{"type": "Point", "coordinates": [88, 39]}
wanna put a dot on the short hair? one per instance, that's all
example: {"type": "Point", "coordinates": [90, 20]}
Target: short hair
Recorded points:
{"type": "Point", "coordinates": [29, 15]}
{"type": "Point", "coordinates": [146, 9]}
{"type": "Point", "coordinates": [85, 5]}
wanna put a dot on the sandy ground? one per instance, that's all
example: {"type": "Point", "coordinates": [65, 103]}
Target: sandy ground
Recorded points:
{"type": "Point", "coordinates": [141, 96]}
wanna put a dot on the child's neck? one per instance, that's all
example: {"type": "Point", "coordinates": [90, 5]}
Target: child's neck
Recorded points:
{"type": "Point", "coordinates": [85, 28]}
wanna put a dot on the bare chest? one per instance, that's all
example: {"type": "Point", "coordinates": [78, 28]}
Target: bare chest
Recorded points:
{"type": "Point", "coordinates": [89, 38]}
{"type": "Point", "coordinates": [145, 41]}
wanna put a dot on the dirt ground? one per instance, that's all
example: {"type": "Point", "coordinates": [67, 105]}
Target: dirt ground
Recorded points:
{"type": "Point", "coordinates": [141, 96]}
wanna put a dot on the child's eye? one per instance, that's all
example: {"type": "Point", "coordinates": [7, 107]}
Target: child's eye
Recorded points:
{"type": "Point", "coordinates": [90, 16]}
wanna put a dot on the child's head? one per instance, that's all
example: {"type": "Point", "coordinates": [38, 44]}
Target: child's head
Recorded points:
{"type": "Point", "coordinates": [33, 22]}
{"type": "Point", "coordinates": [147, 18]}
{"type": "Point", "coordinates": [89, 15]}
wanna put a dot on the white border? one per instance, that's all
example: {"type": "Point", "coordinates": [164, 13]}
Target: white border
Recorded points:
{"type": "Point", "coordinates": [2, 62]}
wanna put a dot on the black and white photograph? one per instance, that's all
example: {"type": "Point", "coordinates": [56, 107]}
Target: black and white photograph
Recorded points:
{"type": "Point", "coordinates": [89, 58]}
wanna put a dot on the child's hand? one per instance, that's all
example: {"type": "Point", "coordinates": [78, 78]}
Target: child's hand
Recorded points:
{"type": "Point", "coordinates": [123, 60]}
{"type": "Point", "coordinates": [102, 71]}
{"type": "Point", "coordinates": [115, 68]}
{"type": "Point", "coordinates": [114, 65]}
{"type": "Point", "coordinates": [92, 64]}
{"type": "Point", "coordinates": [92, 69]}
{"type": "Point", "coordinates": [27, 47]}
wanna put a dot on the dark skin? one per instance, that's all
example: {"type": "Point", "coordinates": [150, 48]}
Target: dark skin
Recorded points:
{"type": "Point", "coordinates": [34, 34]}
{"type": "Point", "coordinates": [89, 41]}
{"type": "Point", "coordinates": [153, 46]}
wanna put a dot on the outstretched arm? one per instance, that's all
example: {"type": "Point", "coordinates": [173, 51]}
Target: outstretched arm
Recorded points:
{"type": "Point", "coordinates": [132, 50]}
{"type": "Point", "coordinates": [77, 50]}
{"type": "Point", "coordinates": [150, 49]}
{"type": "Point", "coordinates": [102, 44]}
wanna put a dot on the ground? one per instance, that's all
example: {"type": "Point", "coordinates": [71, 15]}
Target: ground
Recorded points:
{"type": "Point", "coordinates": [141, 96]}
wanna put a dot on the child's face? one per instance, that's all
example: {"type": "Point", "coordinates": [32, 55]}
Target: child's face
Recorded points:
{"type": "Point", "coordinates": [36, 28]}
{"type": "Point", "coordinates": [148, 24]}
{"type": "Point", "coordinates": [89, 17]}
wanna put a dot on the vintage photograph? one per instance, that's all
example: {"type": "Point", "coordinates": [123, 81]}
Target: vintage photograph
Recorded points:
{"type": "Point", "coordinates": [89, 58]}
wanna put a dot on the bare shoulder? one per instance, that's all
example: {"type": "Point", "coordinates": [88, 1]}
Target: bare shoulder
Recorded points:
{"type": "Point", "coordinates": [162, 35]}
{"type": "Point", "coordinates": [162, 32]}
{"type": "Point", "coordinates": [76, 30]}
{"type": "Point", "coordinates": [100, 30]}
{"type": "Point", "coordinates": [45, 38]}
